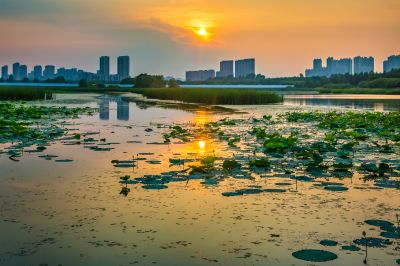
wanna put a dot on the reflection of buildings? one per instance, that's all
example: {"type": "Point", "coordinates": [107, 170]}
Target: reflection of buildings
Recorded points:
{"type": "Point", "coordinates": [122, 108]}
{"type": "Point", "coordinates": [104, 107]}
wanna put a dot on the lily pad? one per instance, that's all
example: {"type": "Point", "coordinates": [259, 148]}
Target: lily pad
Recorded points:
{"type": "Point", "coordinates": [380, 223]}
{"type": "Point", "coordinates": [64, 161]}
{"type": "Point", "coordinates": [336, 188]}
{"type": "Point", "coordinates": [351, 248]}
{"type": "Point", "coordinates": [329, 243]}
{"type": "Point", "coordinates": [154, 186]}
{"type": "Point", "coordinates": [373, 242]}
{"type": "Point", "coordinates": [314, 255]}
{"type": "Point", "coordinates": [394, 235]}
{"type": "Point", "coordinates": [274, 190]}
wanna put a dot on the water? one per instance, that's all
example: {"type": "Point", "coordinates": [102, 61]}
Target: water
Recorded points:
{"type": "Point", "coordinates": [73, 213]}
{"type": "Point", "coordinates": [244, 86]}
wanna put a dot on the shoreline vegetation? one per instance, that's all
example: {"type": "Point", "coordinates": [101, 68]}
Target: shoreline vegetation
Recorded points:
{"type": "Point", "coordinates": [199, 96]}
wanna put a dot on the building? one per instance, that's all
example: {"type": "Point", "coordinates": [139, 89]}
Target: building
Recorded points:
{"type": "Point", "coordinates": [200, 75]}
{"type": "Point", "coordinates": [23, 72]}
{"type": "Point", "coordinates": [38, 72]}
{"type": "Point", "coordinates": [363, 64]}
{"type": "Point", "coordinates": [49, 72]}
{"type": "Point", "coordinates": [225, 69]}
{"type": "Point", "coordinates": [123, 67]}
{"type": "Point", "coordinates": [16, 71]}
{"type": "Point", "coordinates": [245, 67]}
{"type": "Point", "coordinates": [333, 67]}
{"type": "Point", "coordinates": [122, 110]}
{"type": "Point", "coordinates": [392, 63]}
{"type": "Point", "coordinates": [4, 72]}
{"type": "Point", "coordinates": [104, 72]}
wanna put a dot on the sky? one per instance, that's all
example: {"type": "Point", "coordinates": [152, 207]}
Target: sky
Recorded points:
{"type": "Point", "coordinates": [171, 36]}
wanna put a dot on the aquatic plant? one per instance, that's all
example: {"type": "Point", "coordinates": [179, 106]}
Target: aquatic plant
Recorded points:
{"type": "Point", "coordinates": [230, 165]}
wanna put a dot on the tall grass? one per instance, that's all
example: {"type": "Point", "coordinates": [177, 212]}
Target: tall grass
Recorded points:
{"type": "Point", "coordinates": [360, 91]}
{"type": "Point", "coordinates": [212, 96]}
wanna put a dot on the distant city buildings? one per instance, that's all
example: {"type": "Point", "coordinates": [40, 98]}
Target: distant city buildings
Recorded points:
{"type": "Point", "coordinates": [363, 65]}
{"type": "Point", "coordinates": [200, 75]}
{"type": "Point", "coordinates": [333, 67]}
{"type": "Point", "coordinates": [123, 67]}
{"type": "Point", "coordinates": [49, 72]}
{"type": "Point", "coordinates": [225, 69]}
{"type": "Point", "coordinates": [23, 72]}
{"type": "Point", "coordinates": [392, 63]}
{"type": "Point", "coordinates": [245, 67]}
{"type": "Point", "coordinates": [4, 72]}
{"type": "Point", "coordinates": [37, 72]}
{"type": "Point", "coordinates": [15, 71]}
{"type": "Point", "coordinates": [104, 72]}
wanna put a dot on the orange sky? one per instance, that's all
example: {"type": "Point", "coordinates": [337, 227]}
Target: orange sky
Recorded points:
{"type": "Point", "coordinates": [284, 36]}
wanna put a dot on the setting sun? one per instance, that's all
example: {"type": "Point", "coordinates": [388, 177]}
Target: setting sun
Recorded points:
{"type": "Point", "coordinates": [202, 33]}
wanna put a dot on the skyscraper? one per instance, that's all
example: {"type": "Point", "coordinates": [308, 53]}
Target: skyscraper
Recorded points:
{"type": "Point", "coordinates": [363, 64]}
{"type": "Point", "coordinates": [123, 67]}
{"type": "Point", "coordinates": [16, 74]}
{"type": "Point", "coordinates": [393, 62]}
{"type": "Point", "coordinates": [339, 66]}
{"type": "Point", "coordinates": [104, 68]}
{"type": "Point", "coordinates": [225, 69]}
{"type": "Point", "coordinates": [317, 64]}
{"type": "Point", "coordinates": [37, 72]}
{"type": "Point", "coordinates": [200, 75]}
{"type": "Point", "coordinates": [4, 72]}
{"type": "Point", "coordinates": [49, 72]}
{"type": "Point", "coordinates": [245, 67]}
{"type": "Point", "coordinates": [23, 71]}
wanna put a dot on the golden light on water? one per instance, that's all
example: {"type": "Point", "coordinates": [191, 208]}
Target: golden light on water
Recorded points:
{"type": "Point", "coordinates": [202, 144]}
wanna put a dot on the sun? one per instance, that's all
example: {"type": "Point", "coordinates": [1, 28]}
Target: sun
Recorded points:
{"type": "Point", "coordinates": [202, 33]}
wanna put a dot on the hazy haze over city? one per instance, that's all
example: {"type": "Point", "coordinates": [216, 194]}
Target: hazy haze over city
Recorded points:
{"type": "Point", "coordinates": [168, 37]}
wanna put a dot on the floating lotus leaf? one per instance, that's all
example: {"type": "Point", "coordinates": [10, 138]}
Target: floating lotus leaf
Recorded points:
{"type": "Point", "coordinates": [387, 183]}
{"type": "Point", "coordinates": [314, 255]}
{"type": "Point", "coordinates": [380, 223]}
{"type": "Point", "coordinates": [336, 188]}
{"type": "Point", "coordinates": [373, 242]}
{"type": "Point", "coordinates": [154, 186]}
{"type": "Point", "coordinates": [351, 248]}
{"type": "Point", "coordinates": [394, 235]}
{"type": "Point", "coordinates": [329, 243]}
{"type": "Point", "coordinates": [64, 161]}
{"type": "Point", "coordinates": [274, 190]}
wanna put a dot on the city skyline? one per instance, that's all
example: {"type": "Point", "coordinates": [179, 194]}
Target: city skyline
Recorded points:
{"type": "Point", "coordinates": [160, 35]}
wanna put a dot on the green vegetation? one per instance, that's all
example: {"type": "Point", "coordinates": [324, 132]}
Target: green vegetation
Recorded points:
{"type": "Point", "coordinates": [359, 91]}
{"type": "Point", "coordinates": [211, 96]}
{"type": "Point", "coordinates": [365, 80]}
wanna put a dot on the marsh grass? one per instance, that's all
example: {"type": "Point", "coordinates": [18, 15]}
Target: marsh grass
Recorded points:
{"type": "Point", "coordinates": [212, 96]}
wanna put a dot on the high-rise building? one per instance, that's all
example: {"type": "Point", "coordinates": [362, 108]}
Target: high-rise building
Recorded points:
{"type": "Point", "coordinates": [245, 67]}
{"type": "Point", "coordinates": [317, 64]}
{"type": "Point", "coordinates": [104, 72]}
{"type": "Point", "coordinates": [4, 72]}
{"type": "Point", "coordinates": [23, 71]}
{"type": "Point", "coordinates": [16, 74]}
{"type": "Point", "coordinates": [49, 72]}
{"type": "Point", "coordinates": [363, 64]}
{"type": "Point", "coordinates": [339, 66]}
{"type": "Point", "coordinates": [123, 67]}
{"type": "Point", "coordinates": [392, 63]}
{"type": "Point", "coordinates": [37, 72]}
{"type": "Point", "coordinates": [225, 69]}
{"type": "Point", "coordinates": [200, 75]}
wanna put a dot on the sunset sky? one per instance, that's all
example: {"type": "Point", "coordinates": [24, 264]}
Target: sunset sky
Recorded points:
{"type": "Point", "coordinates": [170, 36]}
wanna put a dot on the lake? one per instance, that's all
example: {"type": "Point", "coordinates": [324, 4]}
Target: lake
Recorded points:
{"type": "Point", "coordinates": [67, 205]}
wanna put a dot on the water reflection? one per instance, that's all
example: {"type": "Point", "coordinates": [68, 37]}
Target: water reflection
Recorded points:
{"type": "Point", "coordinates": [122, 108]}
{"type": "Point", "coordinates": [378, 103]}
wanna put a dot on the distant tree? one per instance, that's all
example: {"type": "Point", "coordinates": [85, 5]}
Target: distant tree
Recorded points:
{"type": "Point", "coordinates": [172, 83]}
{"type": "Point", "coordinates": [101, 86]}
{"type": "Point", "coordinates": [83, 83]}
{"type": "Point", "coordinates": [36, 80]}
{"type": "Point", "coordinates": [1, 80]}
{"type": "Point", "coordinates": [25, 80]}
{"type": "Point", "coordinates": [10, 78]}
{"type": "Point", "coordinates": [149, 81]}
{"type": "Point", "coordinates": [128, 81]}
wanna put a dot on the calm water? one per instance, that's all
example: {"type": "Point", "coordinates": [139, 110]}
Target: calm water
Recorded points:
{"type": "Point", "coordinates": [73, 213]}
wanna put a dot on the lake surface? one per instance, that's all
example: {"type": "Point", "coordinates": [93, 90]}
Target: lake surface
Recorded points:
{"type": "Point", "coordinates": [73, 213]}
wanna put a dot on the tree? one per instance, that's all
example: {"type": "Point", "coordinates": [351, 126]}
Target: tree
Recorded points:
{"type": "Point", "coordinates": [25, 80]}
{"type": "Point", "coordinates": [83, 83]}
{"type": "Point", "coordinates": [149, 81]}
{"type": "Point", "coordinates": [172, 83]}
{"type": "Point", "coordinates": [10, 78]}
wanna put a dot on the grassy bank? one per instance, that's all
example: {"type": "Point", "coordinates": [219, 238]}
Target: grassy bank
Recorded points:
{"type": "Point", "coordinates": [360, 91]}
{"type": "Point", "coordinates": [211, 96]}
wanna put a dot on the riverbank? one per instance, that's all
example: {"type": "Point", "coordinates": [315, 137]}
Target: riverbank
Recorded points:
{"type": "Point", "coordinates": [360, 91]}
